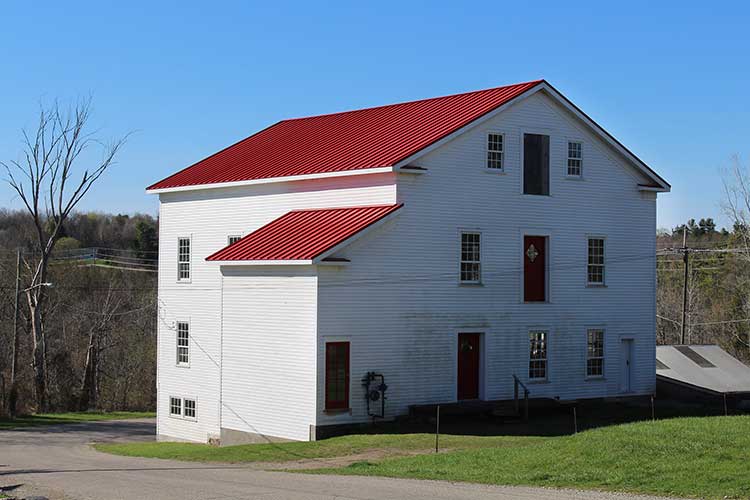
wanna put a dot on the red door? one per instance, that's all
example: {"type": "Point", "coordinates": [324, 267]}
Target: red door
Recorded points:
{"type": "Point", "coordinates": [468, 366]}
{"type": "Point", "coordinates": [534, 268]}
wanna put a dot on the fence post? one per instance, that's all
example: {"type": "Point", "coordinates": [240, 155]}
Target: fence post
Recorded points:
{"type": "Point", "coordinates": [653, 413]}
{"type": "Point", "coordinates": [437, 430]}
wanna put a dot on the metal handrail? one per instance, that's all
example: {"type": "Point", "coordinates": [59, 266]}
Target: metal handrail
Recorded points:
{"type": "Point", "coordinates": [516, 383]}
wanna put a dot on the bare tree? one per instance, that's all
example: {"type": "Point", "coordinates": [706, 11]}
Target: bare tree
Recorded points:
{"type": "Point", "coordinates": [44, 181]}
{"type": "Point", "coordinates": [737, 207]}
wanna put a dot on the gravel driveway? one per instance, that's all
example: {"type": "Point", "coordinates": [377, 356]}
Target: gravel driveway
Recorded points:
{"type": "Point", "coordinates": [56, 461]}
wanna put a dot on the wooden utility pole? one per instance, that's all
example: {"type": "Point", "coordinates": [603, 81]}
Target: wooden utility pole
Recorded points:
{"type": "Point", "coordinates": [13, 397]}
{"type": "Point", "coordinates": [684, 284]}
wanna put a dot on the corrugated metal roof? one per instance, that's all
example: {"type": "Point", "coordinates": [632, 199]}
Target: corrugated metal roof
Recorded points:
{"type": "Point", "coordinates": [706, 367]}
{"type": "Point", "coordinates": [352, 140]}
{"type": "Point", "coordinates": [303, 234]}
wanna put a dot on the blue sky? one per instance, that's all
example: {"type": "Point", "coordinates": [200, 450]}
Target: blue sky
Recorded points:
{"type": "Point", "coordinates": [668, 80]}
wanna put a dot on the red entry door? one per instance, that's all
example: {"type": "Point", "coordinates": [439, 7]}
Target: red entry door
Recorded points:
{"type": "Point", "coordinates": [534, 268]}
{"type": "Point", "coordinates": [468, 366]}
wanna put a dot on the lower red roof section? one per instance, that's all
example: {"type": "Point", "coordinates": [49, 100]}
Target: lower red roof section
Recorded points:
{"type": "Point", "coordinates": [303, 234]}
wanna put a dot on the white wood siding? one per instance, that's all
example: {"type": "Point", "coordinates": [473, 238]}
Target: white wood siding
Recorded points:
{"type": "Point", "coordinates": [400, 303]}
{"type": "Point", "coordinates": [268, 382]}
{"type": "Point", "coordinates": [208, 217]}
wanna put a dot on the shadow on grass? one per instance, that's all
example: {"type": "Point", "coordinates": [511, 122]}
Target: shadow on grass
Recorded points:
{"type": "Point", "coordinates": [549, 418]}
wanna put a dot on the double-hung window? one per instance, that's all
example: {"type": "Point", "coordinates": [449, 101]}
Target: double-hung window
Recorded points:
{"type": "Point", "coordinates": [471, 258]}
{"type": "Point", "coordinates": [183, 343]}
{"type": "Point", "coordinates": [495, 151]}
{"type": "Point", "coordinates": [595, 352]}
{"type": "Point", "coordinates": [183, 259]}
{"type": "Point", "coordinates": [575, 158]}
{"type": "Point", "coordinates": [595, 270]}
{"type": "Point", "coordinates": [538, 354]}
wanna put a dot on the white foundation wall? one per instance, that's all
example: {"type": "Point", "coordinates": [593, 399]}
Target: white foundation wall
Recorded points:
{"type": "Point", "coordinates": [401, 306]}
{"type": "Point", "coordinates": [269, 323]}
{"type": "Point", "coordinates": [208, 217]}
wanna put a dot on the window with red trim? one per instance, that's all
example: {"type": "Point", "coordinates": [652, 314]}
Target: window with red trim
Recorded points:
{"type": "Point", "coordinates": [337, 375]}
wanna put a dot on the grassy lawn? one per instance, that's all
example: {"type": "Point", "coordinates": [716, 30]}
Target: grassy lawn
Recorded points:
{"type": "Point", "coordinates": [694, 457]}
{"type": "Point", "coordinates": [390, 444]}
{"type": "Point", "coordinates": [69, 418]}
{"type": "Point", "coordinates": [697, 457]}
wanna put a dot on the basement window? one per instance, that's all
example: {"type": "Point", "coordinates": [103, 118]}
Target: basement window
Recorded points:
{"type": "Point", "coordinates": [182, 408]}
{"type": "Point", "coordinates": [188, 406]}
{"type": "Point", "coordinates": [183, 343]}
{"type": "Point", "coordinates": [471, 258]}
{"type": "Point", "coordinates": [538, 355]}
{"type": "Point", "coordinates": [337, 375]}
{"type": "Point", "coordinates": [495, 151]}
{"type": "Point", "coordinates": [595, 353]}
{"type": "Point", "coordinates": [175, 407]}
{"type": "Point", "coordinates": [575, 158]}
{"type": "Point", "coordinates": [183, 259]}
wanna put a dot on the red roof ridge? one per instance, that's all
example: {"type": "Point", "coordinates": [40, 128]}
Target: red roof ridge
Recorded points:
{"type": "Point", "coordinates": [530, 83]}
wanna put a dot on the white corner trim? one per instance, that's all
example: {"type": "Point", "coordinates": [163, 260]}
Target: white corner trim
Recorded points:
{"type": "Point", "coordinates": [271, 180]}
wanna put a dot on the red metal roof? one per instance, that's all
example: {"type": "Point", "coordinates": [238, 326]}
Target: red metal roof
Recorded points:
{"type": "Point", "coordinates": [352, 140]}
{"type": "Point", "coordinates": [303, 234]}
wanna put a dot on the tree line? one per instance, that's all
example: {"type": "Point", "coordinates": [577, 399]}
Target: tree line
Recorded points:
{"type": "Point", "coordinates": [717, 310]}
{"type": "Point", "coordinates": [99, 322]}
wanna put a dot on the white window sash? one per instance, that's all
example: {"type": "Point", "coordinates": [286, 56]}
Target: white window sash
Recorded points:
{"type": "Point", "coordinates": [598, 332]}
{"type": "Point", "coordinates": [470, 263]}
{"type": "Point", "coordinates": [495, 151]}
{"type": "Point", "coordinates": [184, 256]}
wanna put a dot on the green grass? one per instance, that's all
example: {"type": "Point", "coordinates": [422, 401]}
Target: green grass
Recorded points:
{"type": "Point", "coordinates": [327, 448]}
{"type": "Point", "coordinates": [69, 418]}
{"type": "Point", "coordinates": [697, 457]}
{"type": "Point", "coordinates": [704, 457]}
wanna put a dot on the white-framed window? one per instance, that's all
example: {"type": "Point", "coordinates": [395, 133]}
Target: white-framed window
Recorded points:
{"type": "Point", "coordinates": [495, 151]}
{"type": "Point", "coordinates": [188, 408]}
{"type": "Point", "coordinates": [595, 268]}
{"type": "Point", "coordinates": [183, 259]}
{"type": "Point", "coordinates": [538, 354]}
{"type": "Point", "coordinates": [182, 407]}
{"type": "Point", "coordinates": [183, 343]}
{"type": "Point", "coordinates": [233, 238]}
{"type": "Point", "coordinates": [471, 257]}
{"type": "Point", "coordinates": [595, 352]}
{"type": "Point", "coordinates": [175, 406]}
{"type": "Point", "coordinates": [575, 158]}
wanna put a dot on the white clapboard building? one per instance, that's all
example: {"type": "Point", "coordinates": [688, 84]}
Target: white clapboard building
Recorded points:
{"type": "Point", "coordinates": [442, 246]}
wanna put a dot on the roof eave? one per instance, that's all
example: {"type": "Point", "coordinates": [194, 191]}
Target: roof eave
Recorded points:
{"type": "Point", "coordinates": [270, 180]}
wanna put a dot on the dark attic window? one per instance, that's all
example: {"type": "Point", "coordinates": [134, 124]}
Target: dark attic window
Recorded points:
{"type": "Point", "coordinates": [694, 356]}
{"type": "Point", "coordinates": [535, 164]}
